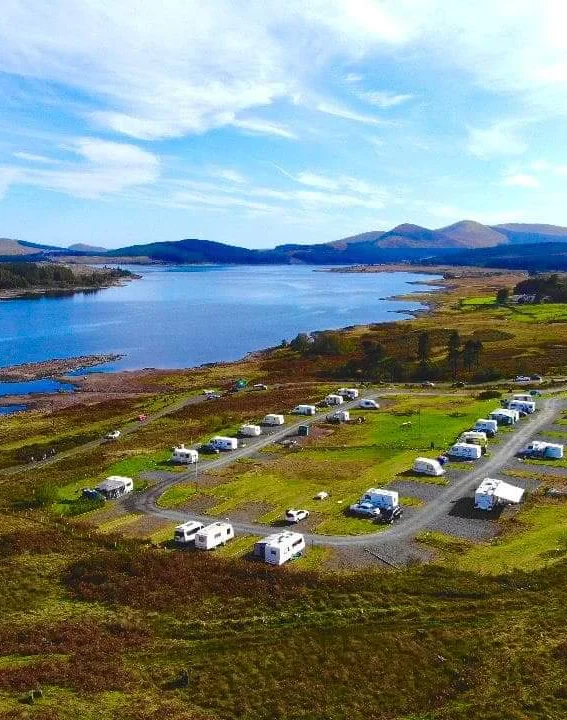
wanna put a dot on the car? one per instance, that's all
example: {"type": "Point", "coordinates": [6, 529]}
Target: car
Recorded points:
{"type": "Point", "coordinates": [295, 516]}
{"type": "Point", "coordinates": [113, 435]}
{"type": "Point", "coordinates": [523, 378]}
{"type": "Point", "coordinates": [391, 515]}
{"type": "Point", "coordinates": [208, 392]}
{"type": "Point", "coordinates": [459, 384]}
{"type": "Point", "coordinates": [427, 384]}
{"type": "Point", "coordinates": [259, 386]}
{"type": "Point", "coordinates": [536, 378]}
{"type": "Point", "coordinates": [208, 449]}
{"type": "Point", "coordinates": [535, 393]}
{"type": "Point", "coordinates": [365, 509]}
{"type": "Point", "coordinates": [213, 396]}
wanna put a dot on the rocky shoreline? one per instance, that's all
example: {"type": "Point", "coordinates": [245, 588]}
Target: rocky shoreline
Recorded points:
{"type": "Point", "coordinates": [53, 368]}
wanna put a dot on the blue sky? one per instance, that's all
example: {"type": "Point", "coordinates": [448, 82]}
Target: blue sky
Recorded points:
{"type": "Point", "coordinates": [258, 123]}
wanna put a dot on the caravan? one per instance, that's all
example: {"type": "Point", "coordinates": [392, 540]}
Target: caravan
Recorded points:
{"type": "Point", "coordinates": [475, 437]}
{"type": "Point", "coordinates": [340, 416]}
{"type": "Point", "coordinates": [273, 419]}
{"type": "Point", "coordinates": [220, 442]}
{"type": "Point", "coordinates": [465, 451]}
{"type": "Point", "coordinates": [334, 400]}
{"type": "Point", "coordinates": [490, 427]}
{"type": "Point", "coordinates": [278, 548]}
{"type": "Point", "coordinates": [214, 535]}
{"type": "Point", "coordinates": [525, 406]}
{"type": "Point", "coordinates": [504, 416]}
{"type": "Point", "coordinates": [184, 456]}
{"type": "Point", "coordinates": [304, 410]}
{"type": "Point", "coordinates": [540, 449]}
{"type": "Point", "coordinates": [493, 493]}
{"type": "Point", "coordinates": [250, 430]}
{"type": "Point", "coordinates": [348, 393]}
{"type": "Point", "coordinates": [115, 486]}
{"type": "Point", "coordinates": [427, 466]}
{"type": "Point", "coordinates": [185, 533]}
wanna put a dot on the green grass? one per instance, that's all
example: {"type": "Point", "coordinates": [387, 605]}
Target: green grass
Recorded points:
{"type": "Point", "coordinates": [177, 495]}
{"type": "Point", "coordinates": [237, 548]}
{"type": "Point", "coordinates": [538, 539]}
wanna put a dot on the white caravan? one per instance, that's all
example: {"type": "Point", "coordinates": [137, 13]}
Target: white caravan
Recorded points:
{"type": "Point", "coordinates": [527, 406]}
{"type": "Point", "coordinates": [428, 466]}
{"type": "Point", "coordinates": [272, 419]}
{"type": "Point", "coordinates": [492, 493]}
{"type": "Point", "coordinates": [465, 451]}
{"type": "Point", "coordinates": [221, 442]}
{"type": "Point", "coordinates": [184, 456]}
{"type": "Point", "coordinates": [340, 416]}
{"type": "Point", "coordinates": [476, 437]}
{"type": "Point", "coordinates": [368, 404]}
{"type": "Point", "coordinates": [540, 449]}
{"type": "Point", "coordinates": [250, 430]}
{"type": "Point", "coordinates": [214, 535]}
{"type": "Point", "coordinates": [115, 486]}
{"type": "Point", "coordinates": [523, 396]}
{"type": "Point", "coordinates": [503, 416]}
{"type": "Point", "coordinates": [334, 399]}
{"type": "Point", "coordinates": [278, 548]}
{"type": "Point", "coordinates": [490, 427]}
{"type": "Point", "coordinates": [304, 410]}
{"type": "Point", "coordinates": [383, 499]}
{"type": "Point", "coordinates": [185, 533]}
{"type": "Point", "coordinates": [348, 393]}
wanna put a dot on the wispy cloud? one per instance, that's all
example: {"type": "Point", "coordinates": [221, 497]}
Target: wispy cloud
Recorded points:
{"type": "Point", "coordinates": [345, 113]}
{"type": "Point", "coordinates": [499, 139]}
{"type": "Point", "coordinates": [383, 98]}
{"type": "Point", "coordinates": [523, 180]}
{"type": "Point", "coordinates": [31, 157]}
{"type": "Point", "coordinates": [262, 127]}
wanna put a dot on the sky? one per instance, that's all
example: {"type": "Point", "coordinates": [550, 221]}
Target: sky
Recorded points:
{"type": "Point", "coordinates": [261, 123]}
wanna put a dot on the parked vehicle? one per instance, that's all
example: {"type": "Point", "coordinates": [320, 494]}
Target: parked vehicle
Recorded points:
{"type": "Point", "coordinates": [340, 416]}
{"type": "Point", "coordinates": [368, 404]}
{"type": "Point", "coordinates": [211, 536]}
{"type": "Point", "coordinates": [250, 430]}
{"type": "Point", "coordinates": [185, 533]}
{"type": "Point", "coordinates": [272, 419]}
{"type": "Point", "coordinates": [427, 384]}
{"type": "Point", "coordinates": [490, 427]}
{"type": "Point", "coordinates": [525, 406]}
{"type": "Point", "coordinates": [390, 515]}
{"type": "Point", "coordinates": [333, 399]}
{"type": "Point", "coordinates": [295, 516]}
{"type": "Point", "coordinates": [113, 435]}
{"type": "Point", "coordinates": [465, 451]}
{"type": "Point", "coordinates": [184, 456]}
{"type": "Point", "coordinates": [536, 378]}
{"type": "Point", "coordinates": [224, 443]}
{"type": "Point", "coordinates": [278, 548]}
{"type": "Point", "coordinates": [348, 393]}
{"type": "Point", "coordinates": [259, 386]}
{"type": "Point", "coordinates": [476, 437]}
{"type": "Point", "coordinates": [523, 378]}
{"type": "Point", "coordinates": [213, 396]}
{"type": "Point", "coordinates": [427, 466]}
{"type": "Point", "coordinates": [493, 493]}
{"type": "Point", "coordinates": [540, 449]}
{"type": "Point", "coordinates": [115, 486]}
{"type": "Point", "coordinates": [304, 410]}
{"type": "Point", "coordinates": [208, 449]}
{"type": "Point", "coordinates": [383, 499]}
{"type": "Point", "coordinates": [365, 509]}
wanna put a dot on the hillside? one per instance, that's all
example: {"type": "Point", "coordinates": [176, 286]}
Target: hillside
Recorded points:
{"type": "Point", "coordinates": [530, 256]}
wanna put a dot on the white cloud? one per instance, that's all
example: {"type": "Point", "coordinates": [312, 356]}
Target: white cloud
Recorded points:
{"type": "Point", "coordinates": [340, 111]}
{"type": "Point", "coordinates": [31, 157]}
{"type": "Point", "coordinates": [7, 177]}
{"type": "Point", "coordinates": [261, 127]}
{"type": "Point", "coordinates": [496, 140]}
{"type": "Point", "coordinates": [521, 180]}
{"type": "Point", "coordinates": [228, 174]}
{"type": "Point", "coordinates": [384, 98]}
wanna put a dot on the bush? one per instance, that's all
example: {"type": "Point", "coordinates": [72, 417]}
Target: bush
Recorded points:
{"type": "Point", "coordinates": [487, 375]}
{"type": "Point", "coordinates": [489, 395]}
{"type": "Point", "coordinates": [45, 495]}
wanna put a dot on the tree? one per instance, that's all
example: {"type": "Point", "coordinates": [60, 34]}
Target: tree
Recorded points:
{"type": "Point", "coordinates": [423, 347]}
{"type": "Point", "coordinates": [471, 354]}
{"type": "Point", "coordinates": [453, 352]}
{"type": "Point", "coordinates": [502, 296]}
{"type": "Point", "coordinates": [301, 343]}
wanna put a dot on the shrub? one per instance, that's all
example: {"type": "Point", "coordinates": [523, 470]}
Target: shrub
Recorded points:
{"type": "Point", "coordinates": [489, 395]}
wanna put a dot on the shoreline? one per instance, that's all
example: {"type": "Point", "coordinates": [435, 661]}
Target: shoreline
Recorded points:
{"type": "Point", "coordinates": [41, 292]}
{"type": "Point", "coordinates": [53, 368]}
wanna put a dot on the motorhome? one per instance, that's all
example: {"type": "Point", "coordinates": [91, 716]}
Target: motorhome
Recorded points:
{"type": "Point", "coordinates": [526, 406]}
{"type": "Point", "coordinates": [465, 451]}
{"type": "Point", "coordinates": [490, 427]}
{"type": "Point", "coordinates": [503, 416]}
{"type": "Point", "coordinates": [383, 499]}
{"type": "Point", "coordinates": [334, 400]}
{"type": "Point", "coordinates": [476, 437]}
{"type": "Point", "coordinates": [427, 466]}
{"type": "Point", "coordinates": [368, 404]}
{"type": "Point", "coordinates": [278, 548]}
{"type": "Point", "coordinates": [211, 536]}
{"type": "Point", "coordinates": [115, 486]}
{"type": "Point", "coordinates": [272, 419]}
{"type": "Point", "coordinates": [224, 443]}
{"type": "Point", "coordinates": [491, 494]}
{"type": "Point", "coordinates": [185, 533]}
{"type": "Point", "coordinates": [182, 455]}
{"type": "Point", "coordinates": [250, 430]}
{"type": "Point", "coordinates": [540, 449]}
{"type": "Point", "coordinates": [304, 410]}
{"type": "Point", "coordinates": [348, 393]}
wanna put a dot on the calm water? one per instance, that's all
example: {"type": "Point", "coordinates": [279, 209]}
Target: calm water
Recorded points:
{"type": "Point", "coordinates": [11, 409]}
{"type": "Point", "coordinates": [185, 316]}
{"type": "Point", "coordinates": [45, 385]}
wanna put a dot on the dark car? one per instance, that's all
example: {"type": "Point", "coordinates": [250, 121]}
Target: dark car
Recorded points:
{"type": "Point", "coordinates": [209, 450]}
{"type": "Point", "coordinates": [391, 515]}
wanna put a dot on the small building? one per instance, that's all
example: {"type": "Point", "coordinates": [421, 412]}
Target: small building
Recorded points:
{"type": "Point", "coordinates": [428, 466]}
{"type": "Point", "coordinates": [304, 410]}
{"type": "Point", "coordinates": [303, 430]}
{"type": "Point", "coordinates": [465, 451]}
{"type": "Point", "coordinates": [184, 456]}
{"type": "Point", "coordinates": [272, 419]}
{"type": "Point", "coordinates": [213, 535]}
{"type": "Point", "coordinates": [278, 548]}
{"type": "Point", "coordinates": [115, 486]}
{"type": "Point", "coordinates": [493, 493]}
{"type": "Point", "coordinates": [250, 430]}
{"type": "Point", "coordinates": [221, 442]}
{"type": "Point", "coordinates": [380, 498]}
{"type": "Point", "coordinates": [185, 533]}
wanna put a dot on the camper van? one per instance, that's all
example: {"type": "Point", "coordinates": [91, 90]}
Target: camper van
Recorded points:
{"type": "Point", "coordinates": [115, 486]}
{"type": "Point", "coordinates": [250, 430]}
{"type": "Point", "coordinates": [368, 404]}
{"type": "Point", "coordinates": [427, 466]}
{"type": "Point", "coordinates": [490, 427]}
{"type": "Point", "coordinates": [272, 419]}
{"type": "Point", "coordinates": [185, 533]}
{"type": "Point", "coordinates": [184, 456]}
{"type": "Point", "coordinates": [348, 393]}
{"type": "Point", "coordinates": [386, 499]}
{"type": "Point", "coordinates": [493, 493]}
{"type": "Point", "coordinates": [540, 449]}
{"type": "Point", "coordinates": [214, 535]}
{"type": "Point", "coordinates": [465, 451]}
{"type": "Point", "coordinates": [526, 406]}
{"type": "Point", "coordinates": [476, 437]}
{"type": "Point", "coordinates": [224, 443]}
{"type": "Point", "coordinates": [340, 416]}
{"type": "Point", "coordinates": [304, 410]}
{"type": "Point", "coordinates": [278, 548]}
{"type": "Point", "coordinates": [334, 400]}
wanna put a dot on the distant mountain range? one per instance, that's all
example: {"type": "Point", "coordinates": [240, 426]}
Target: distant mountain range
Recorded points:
{"type": "Point", "coordinates": [456, 244]}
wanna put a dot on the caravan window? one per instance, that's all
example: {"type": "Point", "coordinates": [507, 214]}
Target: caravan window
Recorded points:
{"type": "Point", "coordinates": [217, 536]}
{"type": "Point", "coordinates": [296, 543]}
{"type": "Point", "coordinates": [272, 552]}
{"type": "Point", "coordinates": [228, 531]}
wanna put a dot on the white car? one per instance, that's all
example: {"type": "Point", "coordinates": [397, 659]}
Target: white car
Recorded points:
{"type": "Point", "coordinates": [259, 386]}
{"type": "Point", "coordinates": [368, 404]}
{"type": "Point", "coordinates": [295, 516]}
{"type": "Point", "coordinates": [113, 435]}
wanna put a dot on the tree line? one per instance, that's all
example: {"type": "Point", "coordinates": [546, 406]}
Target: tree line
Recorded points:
{"type": "Point", "coordinates": [27, 276]}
